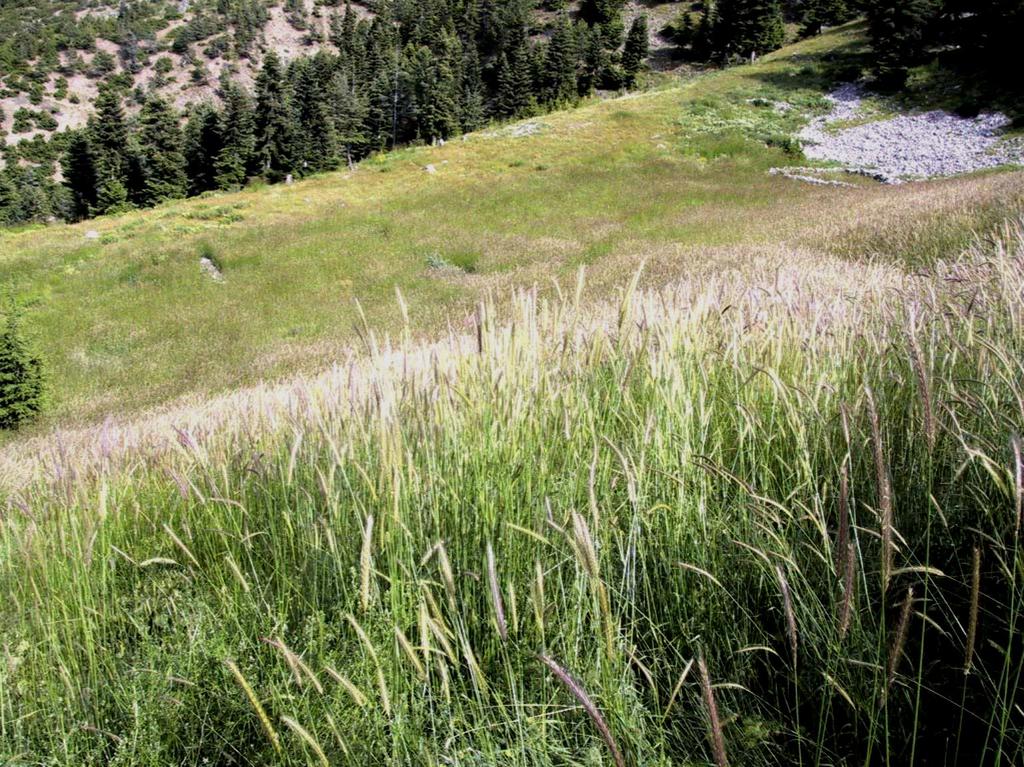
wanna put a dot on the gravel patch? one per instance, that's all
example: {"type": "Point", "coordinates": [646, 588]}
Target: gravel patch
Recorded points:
{"type": "Point", "coordinates": [908, 147]}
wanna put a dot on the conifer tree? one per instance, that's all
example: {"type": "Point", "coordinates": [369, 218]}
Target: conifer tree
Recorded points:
{"type": "Point", "coordinates": [109, 139]}
{"type": "Point", "coordinates": [163, 161]}
{"type": "Point", "coordinates": [202, 146]}
{"type": "Point", "coordinates": [317, 138]}
{"type": "Point", "coordinates": [560, 63]}
{"type": "Point", "coordinates": [634, 55]}
{"type": "Point", "coordinates": [80, 176]}
{"type": "Point", "coordinates": [276, 141]}
{"type": "Point", "coordinates": [897, 29]}
{"type": "Point", "coordinates": [238, 138]}
{"type": "Point", "coordinates": [21, 372]}
{"type": "Point", "coordinates": [705, 35]}
{"type": "Point", "coordinates": [471, 97]}
{"type": "Point", "coordinates": [817, 14]}
{"type": "Point", "coordinates": [350, 113]}
{"type": "Point", "coordinates": [747, 27]}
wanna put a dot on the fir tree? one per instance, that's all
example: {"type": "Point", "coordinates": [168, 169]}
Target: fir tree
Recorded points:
{"type": "Point", "coordinates": [21, 373]}
{"type": "Point", "coordinates": [515, 82]}
{"type": "Point", "coordinates": [203, 141]}
{"type": "Point", "coordinates": [748, 27]}
{"type": "Point", "coordinates": [162, 157]}
{"type": "Point", "coordinates": [634, 55]}
{"type": "Point", "coordinates": [560, 63]}
{"type": "Point", "coordinates": [471, 97]}
{"type": "Point", "coordinates": [317, 139]}
{"type": "Point", "coordinates": [276, 141]}
{"type": "Point", "coordinates": [706, 34]}
{"type": "Point", "coordinates": [109, 139]}
{"type": "Point", "coordinates": [350, 112]}
{"type": "Point", "coordinates": [897, 30]}
{"type": "Point", "coordinates": [238, 138]}
{"type": "Point", "coordinates": [80, 177]}
{"type": "Point", "coordinates": [817, 14]}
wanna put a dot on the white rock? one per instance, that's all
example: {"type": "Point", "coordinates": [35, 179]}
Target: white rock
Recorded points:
{"type": "Point", "coordinates": [910, 146]}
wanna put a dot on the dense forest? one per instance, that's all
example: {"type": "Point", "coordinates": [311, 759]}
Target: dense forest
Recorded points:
{"type": "Point", "coordinates": [416, 71]}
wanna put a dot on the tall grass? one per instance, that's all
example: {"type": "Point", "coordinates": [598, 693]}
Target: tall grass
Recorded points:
{"type": "Point", "coordinates": [804, 481]}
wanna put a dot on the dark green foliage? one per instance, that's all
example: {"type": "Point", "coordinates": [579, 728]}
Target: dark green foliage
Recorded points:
{"type": "Point", "coordinates": [561, 62]}
{"type": "Point", "coordinates": [817, 14]}
{"type": "Point", "coordinates": [203, 142]}
{"type": "Point", "coordinates": [898, 30]}
{"type": "Point", "coordinates": [21, 372]}
{"type": "Point", "coordinates": [317, 141]}
{"type": "Point", "coordinates": [748, 27]}
{"type": "Point", "coordinates": [606, 15]}
{"type": "Point", "coordinates": [277, 149]}
{"type": "Point", "coordinates": [162, 157]}
{"type": "Point", "coordinates": [238, 138]}
{"type": "Point", "coordinates": [80, 175]}
{"type": "Point", "coordinates": [637, 45]}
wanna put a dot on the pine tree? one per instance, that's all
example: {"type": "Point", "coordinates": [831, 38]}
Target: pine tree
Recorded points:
{"type": "Point", "coordinates": [515, 82]}
{"type": "Point", "coordinates": [560, 63]}
{"type": "Point", "coordinates": [238, 138]}
{"type": "Point", "coordinates": [163, 161]}
{"type": "Point", "coordinates": [350, 112]}
{"type": "Point", "coordinates": [317, 138]}
{"type": "Point", "coordinates": [9, 199]}
{"type": "Point", "coordinates": [277, 148]}
{"type": "Point", "coordinates": [634, 55]}
{"type": "Point", "coordinates": [471, 97]}
{"type": "Point", "coordinates": [897, 29]}
{"type": "Point", "coordinates": [606, 15]}
{"type": "Point", "coordinates": [108, 135]}
{"type": "Point", "coordinates": [706, 34]}
{"type": "Point", "coordinates": [817, 14]}
{"type": "Point", "coordinates": [22, 381]}
{"type": "Point", "coordinates": [203, 141]}
{"type": "Point", "coordinates": [80, 176]}
{"type": "Point", "coordinates": [748, 27]}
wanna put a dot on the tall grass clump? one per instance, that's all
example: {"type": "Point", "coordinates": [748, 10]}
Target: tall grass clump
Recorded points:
{"type": "Point", "coordinates": [770, 516]}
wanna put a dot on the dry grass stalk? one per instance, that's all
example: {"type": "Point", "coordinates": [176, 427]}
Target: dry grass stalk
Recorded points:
{"type": "Point", "coordinates": [717, 738]}
{"type": "Point", "coordinates": [496, 600]}
{"type": "Point", "coordinates": [308, 738]}
{"type": "Point", "coordinates": [849, 584]}
{"type": "Point", "coordinates": [923, 383]}
{"type": "Point", "coordinates": [884, 484]}
{"type": "Point", "coordinates": [410, 652]}
{"type": "Point", "coordinates": [843, 532]}
{"type": "Point", "coordinates": [261, 714]}
{"type": "Point", "coordinates": [787, 604]}
{"type": "Point", "coordinates": [354, 692]}
{"type": "Point", "coordinates": [366, 564]}
{"type": "Point", "coordinates": [1018, 484]}
{"type": "Point", "coordinates": [972, 623]}
{"type": "Point", "coordinates": [900, 637]}
{"type": "Point", "coordinates": [538, 597]}
{"type": "Point", "coordinates": [580, 694]}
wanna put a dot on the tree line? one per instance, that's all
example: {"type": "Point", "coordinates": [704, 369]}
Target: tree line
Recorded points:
{"type": "Point", "coordinates": [418, 71]}
{"type": "Point", "coordinates": [977, 38]}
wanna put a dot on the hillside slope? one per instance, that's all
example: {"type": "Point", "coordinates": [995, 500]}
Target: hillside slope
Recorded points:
{"type": "Point", "coordinates": [128, 318]}
{"type": "Point", "coordinates": [59, 52]}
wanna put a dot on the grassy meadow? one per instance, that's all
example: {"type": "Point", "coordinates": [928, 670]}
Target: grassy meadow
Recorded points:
{"type": "Point", "coordinates": [676, 176]}
{"type": "Point", "coordinates": [759, 502]}
{"type": "Point", "coordinates": [765, 517]}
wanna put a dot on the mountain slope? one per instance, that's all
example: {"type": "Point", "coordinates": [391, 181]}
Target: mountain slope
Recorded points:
{"type": "Point", "coordinates": [127, 317]}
